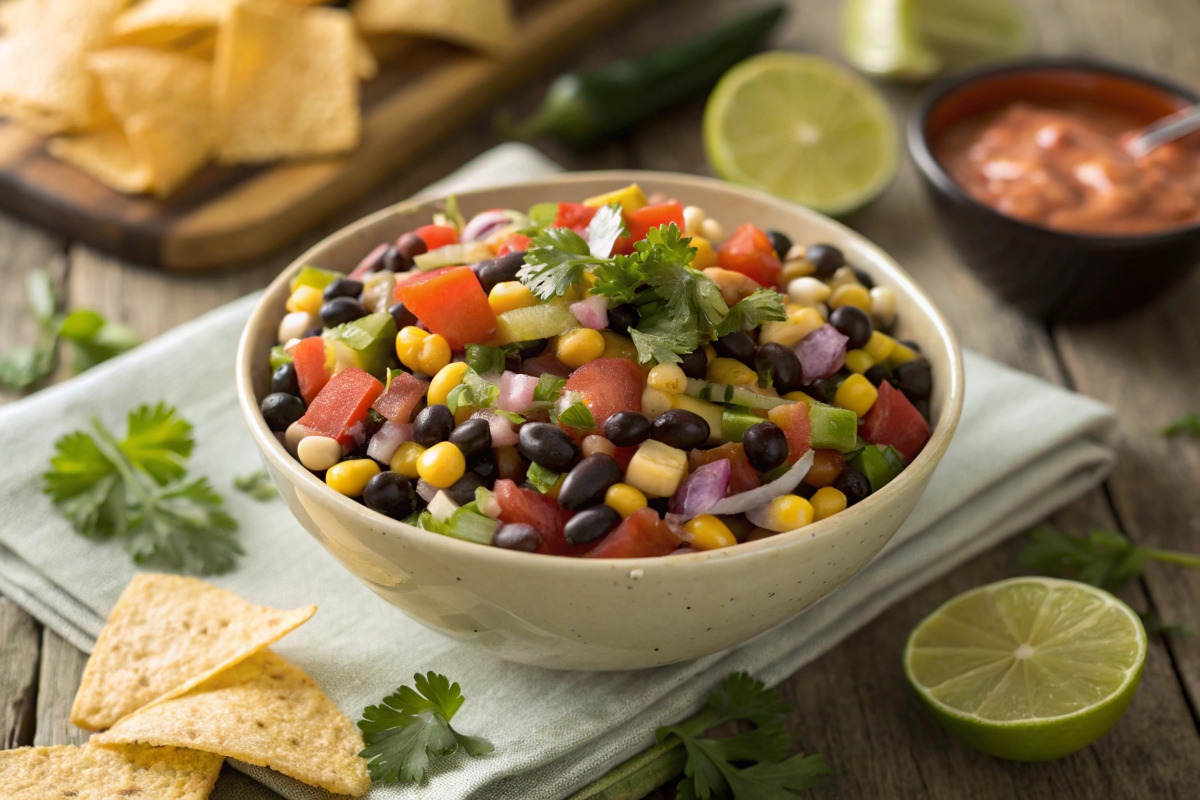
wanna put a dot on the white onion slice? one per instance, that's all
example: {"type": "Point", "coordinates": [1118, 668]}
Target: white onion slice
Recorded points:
{"type": "Point", "coordinates": [785, 483]}
{"type": "Point", "coordinates": [516, 392]}
{"type": "Point", "coordinates": [592, 312]}
{"type": "Point", "coordinates": [483, 224]}
{"type": "Point", "coordinates": [387, 440]}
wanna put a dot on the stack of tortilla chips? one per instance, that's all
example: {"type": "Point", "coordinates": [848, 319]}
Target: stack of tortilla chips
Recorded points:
{"type": "Point", "coordinates": [181, 678]}
{"type": "Point", "coordinates": [142, 93]}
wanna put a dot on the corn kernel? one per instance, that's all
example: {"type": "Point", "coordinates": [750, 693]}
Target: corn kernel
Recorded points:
{"type": "Point", "coordinates": [667, 378]}
{"type": "Point", "coordinates": [441, 465]}
{"type": "Point", "coordinates": [408, 342]}
{"type": "Point", "coordinates": [709, 533]}
{"type": "Point", "coordinates": [879, 346]}
{"type": "Point", "coordinates": [794, 268]}
{"type": "Point", "coordinates": [446, 379]}
{"type": "Point", "coordinates": [710, 354]}
{"type": "Point", "coordinates": [655, 403]}
{"type": "Point", "coordinates": [706, 256]}
{"type": "Point", "coordinates": [693, 219]}
{"type": "Point", "coordinates": [883, 305]}
{"type": "Point", "coordinates": [799, 397]}
{"type": "Point", "coordinates": [858, 361]}
{"type": "Point", "coordinates": [433, 354]}
{"type": "Point", "coordinates": [618, 346]}
{"type": "Point", "coordinates": [785, 513]}
{"type": "Point", "coordinates": [850, 295]}
{"type": "Point", "coordinates": [799, 323]}
{"type": "Point", "coordinates": [404, 460]}
{"type": "Point", "coordinates": [509, 296]}
{"type": "Point", "coordinates": [656, 469]}
{"type": "Point", "coordinates": [630, 198]}
{"type": "Point", "coordinates": [827, 501]}
{"type": "Point", "coordinates": [857, 394]}
{"type": "Point", "coordinates": [307, 299]}
{"type": "Point", "coordinates": [595, 443]}
{"type": "Point", "coordinates": [624, 499]}
{"type": "Point", "coordinates": [580, 346]}
{"type": "Point", "coordinates": [901, 354]}
{"type": "Point", "coordinates": [350, 477]}
{"type": "Point", "coordinates": [730, 371]}
{"type": "Point", "coordinates": [843, 276]}
{"type": "Point", "coordinates": [808, 291]}
{"type": "Point", "coordinates": [463, 413]}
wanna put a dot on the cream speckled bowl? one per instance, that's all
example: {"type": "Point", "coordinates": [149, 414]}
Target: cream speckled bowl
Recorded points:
{"type": "Point", "coordinates": [604, 614]}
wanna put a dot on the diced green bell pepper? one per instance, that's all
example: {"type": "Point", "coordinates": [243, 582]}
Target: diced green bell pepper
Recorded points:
{"type": "Point", "coordinates": [315, 277]}
{"type": "Point", "coordinates": [535, 322]}
{"type": "Point", "coordinates": [735, 423]}
{"type": "Point", "coordinates": [833, 428]}
{"type": "Point", "coordinates": [879, 466]}
{"type": "Point", "coordinates": [372, 338]}
{"type": "Point", "coordinates": [278, 357]}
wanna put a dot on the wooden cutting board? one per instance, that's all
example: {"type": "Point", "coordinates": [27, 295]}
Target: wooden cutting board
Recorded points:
{"type": "Point", "coordinates": [227, 215]}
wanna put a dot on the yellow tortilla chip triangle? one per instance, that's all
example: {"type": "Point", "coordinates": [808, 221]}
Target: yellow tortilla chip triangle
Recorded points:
{"type": "Point", "coordinates": [264, 711]}
{"type": "Point", "coordinates": [165, 635]}
{"type": "Point", "coordinates": [284, 84]}
{"type": "Point", "coordinates": [92, 772]}
{"type": "Point", "coordinates": [480, 24]}
{"type": "Point", "coordinates": [107, 156]}
{"type": "Point", "coordinates": [163, 23]}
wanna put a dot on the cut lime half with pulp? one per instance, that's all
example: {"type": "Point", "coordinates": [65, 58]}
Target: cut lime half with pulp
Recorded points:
{"type": "Point", "coordinates": [1028, 669]}
{"type": "Point", "coordinates": [801, 128]}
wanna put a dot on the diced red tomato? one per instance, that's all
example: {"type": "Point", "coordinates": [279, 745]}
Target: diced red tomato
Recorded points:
{"type": "Point", "coordinates": [312, 371]}
{"type": "Point", "coordinates": [575, 216]}
{"type": "Point", "coordinates": [642, 535]}
{"type": "Point", "coordinates": [541, 513]}
{"type": "Point", "coordinates": [749, 251]}
{"type": "Point", "coordinates": [623, 455]}
{"type": "Point", "coordinates": [608, 385]}
{"type": "Point", "coordinates": [342, 406]}
{"type": "Point", "coordinates": [742, 477]}
{"type": "Point", "coordinates": [796, 427]}
{"type": "Point", "coordinates": [451, 302]}
{"type": "Point", "coordinates": [638, 223]}
{"type": "Point", "coordinates": [894, 420]}
{"type": "Point", "coordinates": [398, 400]}
{"type": "Point", "coordinates": [514, 243]}
{"type": "Point", "coordinates": [827, 466]}
{"type": "Point", "coordinates": [436, 236]}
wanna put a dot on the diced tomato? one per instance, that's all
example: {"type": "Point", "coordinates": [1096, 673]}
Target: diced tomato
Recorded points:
{"type": "Point", "coordinates": [312, 369]}
{"type": "Point", "coordinates": [451, 302]}
{"type": "Point", "coordinates": [575, 216]}
{"type": "Point", "coordinates": [623, 456]}
{"type": "Point", "coordinates": [796, 427]}
{"type": "Point", "coordinates": [827, 466]}
{"type": "Point", "coordinates": [342, 406]}
{"type": "Point", "coordinates": [608, 385]}
{"type": "Point", "coordinates": [514, 243]}
{"type": "Point", "coordinates": [642, 535]}
{"type": "Point", "coordinates": [436, 236]}
{"type": "Point", "coordinates": [894, 420]}
{"type": "Point", "coordinates": [541, 513]}
{"type": "Point", "coordinates": [749, 251]}
{"type": "Point", "coordinates": [742, 477]}
{"type": "Point", "coordinates": [398, 400]}
{"type": "Point", "coordinates": [369, 260]}
{"type": "Point", "coordinates": [638, 223]}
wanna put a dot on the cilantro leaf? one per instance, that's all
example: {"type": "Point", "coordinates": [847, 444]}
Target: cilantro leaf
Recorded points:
{"type": "Point", "coordinates": [257, 484]}
{"type": "Point", "coordinates": [618, 279]}
{"type": "Point", "coordinates": [765, 305]}
{"type": "Point", "coordinates": [159, 441]}
{"type": "Point", "coordinates": [604, 230]}
{"type": "Point", "coordinates": [482, 358]}
{"type": "Point", "coordinates": [541, 478]}
{"type": "Point", "coordinates": [1188, 423]}
{"type": "Point", "coordinates": [548, 388]}
{"type": "Point", "coordinates": [555, 262]}
{"type": "Point", "coordinates": [93, 338]}
{"type": "Point", "coordinates": [474, 391]}
{"type": "Point", "coordinates": [1102, 558]}
{"type": "Point", "coordinates": [412, 725]}
{"type": "Point", "coordinates": [657, 338]}
{"type": "Point", "coordinates": [578, 415]}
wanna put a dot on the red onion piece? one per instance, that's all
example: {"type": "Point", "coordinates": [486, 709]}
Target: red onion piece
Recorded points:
{"type": "Point", "coordinates": [821, 353]}
{"type": "Point", "coordinates": [756, 498]}
{"type": "Point", "coordinates": [387, 440]}
{"type": "Point", "coordinates": [592, 312]}
{"type": "Point", "coordinates": [504, 433]}
{"type": "Point", "coordinates": [483, 224]}
{"type": "Point", "coordinates": [516, 392]}
{"type": "Point", "coordinates": [702, 490]}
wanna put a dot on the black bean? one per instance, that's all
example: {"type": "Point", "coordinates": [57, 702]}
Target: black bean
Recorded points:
{"type": "Point", "coordinates": [737, 345]}
{"type": "Point", "coordinates": [825, 258]}
{"type": "Point", "coordinates": [695, 364]}
{"type": "Point", "coordinates": [853, 484]}
{"type": "Point", "coordinates": [864, 277]}
{"type": "Point", "coordinates": [587, 482]}
{"type": "Point", "coordinates": [280, 410]}
{"type": "Point", "coordinates": [824, 389]}
{"type": "Point", "coordinates": [409, 246]}
{"type": "Point", "coordinates": [661, 505]}
{"type": "Point", "coordinates": [462, 491]}
{"type": "Point", "coordinates": [781, 243]}
{"type": "Point", "coordinates": [766, 446]}
{"type": "Point", "coordinates": [284, 379]}
{"type": "Point", "coordinates": [317, 331]}
{"type": "Point", "coordinates": [590, 524]}
{"type": "Point", "coordinates": [532, 348]}
{"type": "Point", "coordinates": [517, 536]}
{"type": "Point", "coordinates": [678, 428]}
{"type": "Point", "coordinates": [922, 406]}
{"type": "Point", "coordinates": [378, 263]}
{"type": "Point", "coordinates": [548, 445]}
{"type": "Point", "coordinates": [391, 494]}
{"type": "Point", "coordinates": [804, 490]}
{"type": "Point", "coordinates": [433, 425]}
{"type": "Point", "coordinates": [483, 464]}
{"type": "Point", "coordinates": [774, 362]}
{"type": "Point", "coordinates": [512, 362]}
{"type": "Point", "coordinates": [622, 318]}
{"type": "Point", "coordinates": [340, 310]}
{"type": "Point", "coordinates": [402, 316]}
{"type": "Point", "coordinates": [854, 323]}
{"type": "Point", "coordinates": [914, 379]}
{"type": "Point", "coordinates": [878, 374]}
{"type": "Point", "coordinates": [343, 287]}
{"type": "Point", "coordinates": [911, 345]}
{"type": "Point", "coordinates": [500, 270]}
{"type": "Point", "coordinates": [472, 436]}
{"type": "Point", "coordinates": [393, 261]}
{"type": "Point", "coordinates": [627, 428]}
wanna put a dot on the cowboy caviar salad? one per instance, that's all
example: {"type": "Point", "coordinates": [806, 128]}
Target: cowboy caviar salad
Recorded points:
{"type": "Point", "coordinates": [612, 378]}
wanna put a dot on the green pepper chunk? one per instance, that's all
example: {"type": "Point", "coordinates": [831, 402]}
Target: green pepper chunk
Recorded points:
{"type": "Point", "coordinates": [315, 277]}
{"type": "Point", "coordinates": [278, 357]}
{"type": "Point", "coordinates": [879, 466]}
{"type": "Point", "coordinates": [833, 428]}
{"type": "Point", "coordinates": [372, 338]}
{"type": "Point", "coordinates": [735, 423]}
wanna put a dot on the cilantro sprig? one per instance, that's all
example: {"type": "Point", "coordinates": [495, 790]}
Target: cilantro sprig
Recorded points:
{"type": "Point", "coordinates": [258, 485]}
{"type": "Point", "coordinates": [1102, 558]}
{"type": "Point", "coordinates": [1188, 423]}
{"type": "Point", "coordinates": [136, 490]}
{"type": "Point", "coordinates": [412, 725]}
{"type": "Point", "coordinates": [556, 259]}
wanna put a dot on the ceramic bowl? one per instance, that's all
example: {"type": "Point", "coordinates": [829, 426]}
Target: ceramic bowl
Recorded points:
{"type": "Point", "coordinates": [577, 613]}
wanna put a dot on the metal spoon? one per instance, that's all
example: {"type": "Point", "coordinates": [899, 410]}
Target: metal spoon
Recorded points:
{"type": "Point", "coordinates": [1162, 131]}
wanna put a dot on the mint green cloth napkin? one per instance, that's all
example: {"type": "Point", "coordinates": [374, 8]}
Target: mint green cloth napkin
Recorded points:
{"type": "Point", "coordinates": [1024, 448]}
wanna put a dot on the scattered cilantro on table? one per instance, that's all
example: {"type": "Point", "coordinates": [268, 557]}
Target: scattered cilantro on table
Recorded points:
{"type": "Point", "coordinates": [257, 484]}
{"type": "Point", "coordinates": [1188, 423]}
{"type": "Point", "coordinates": [136, 490]}
{"type": "Point", "coordinates": [412, 725]}
{"type": "Point", "coordinates": [1106, 559]}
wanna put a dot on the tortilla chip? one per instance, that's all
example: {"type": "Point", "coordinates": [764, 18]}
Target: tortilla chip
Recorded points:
{"type": "Point", "coordinates": [264, 711]}
{"type": "Point", "coordinates": [366, 66]}
{"type": "Point", "coordinates": [163, 23]}
{"type": "Point", "coordinates": [91, 772]}
{"type": "Point", "coordinates": [43, 82]}
{"type": "Point", "coordinates": [166, 635]}
{"type": "Point", "coordinates": [107, 156]}
{"type": "Point", "coordinates": [284, 84]}
{"type": "Point", "coordinates": [479, 24]}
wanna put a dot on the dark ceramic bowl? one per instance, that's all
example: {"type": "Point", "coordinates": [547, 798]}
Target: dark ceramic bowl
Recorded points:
{"type": "Point", "coordinates": [1049, 274]}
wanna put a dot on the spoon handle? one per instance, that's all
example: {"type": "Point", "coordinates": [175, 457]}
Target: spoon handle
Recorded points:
{"type": "Point", "coordinates": [1167, 129]}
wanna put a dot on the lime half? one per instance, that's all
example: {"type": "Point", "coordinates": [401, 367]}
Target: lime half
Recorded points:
{"type": "Point", "coordinates": [803, 129]}
{"type": "Point", "coordinates": [1029, 669]}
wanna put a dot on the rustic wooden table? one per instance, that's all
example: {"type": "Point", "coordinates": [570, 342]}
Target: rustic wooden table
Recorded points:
{"type": "Point", "coordinates": [853, 704]}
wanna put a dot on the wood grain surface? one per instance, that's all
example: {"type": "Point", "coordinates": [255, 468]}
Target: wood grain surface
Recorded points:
{"type": "Point", "coordinates": [852, 705]}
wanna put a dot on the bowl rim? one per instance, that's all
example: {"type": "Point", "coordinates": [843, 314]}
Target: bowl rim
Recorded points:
{"type": "Point", "coordinates": [931, 168]}
{"type": "Point", "coordinates": [272, 449]}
